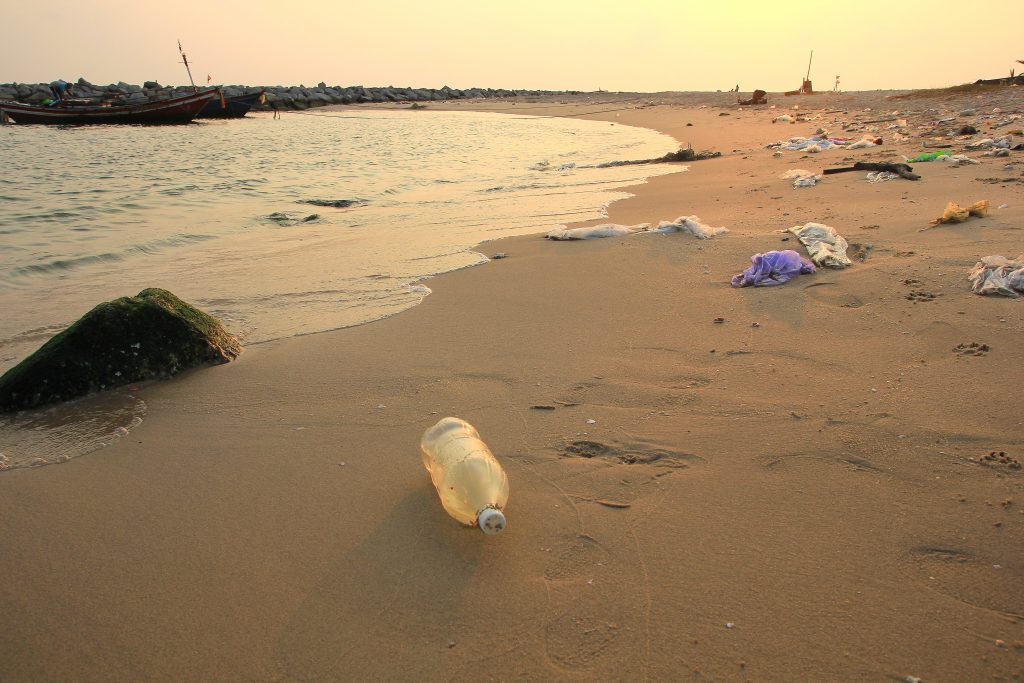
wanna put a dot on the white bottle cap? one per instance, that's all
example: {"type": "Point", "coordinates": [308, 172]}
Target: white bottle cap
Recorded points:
{"type": "Point", "coordinates": [491, 521]}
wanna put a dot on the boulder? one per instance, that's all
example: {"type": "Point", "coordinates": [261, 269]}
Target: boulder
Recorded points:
{"type": "Point", "coordinates": [153, 335]}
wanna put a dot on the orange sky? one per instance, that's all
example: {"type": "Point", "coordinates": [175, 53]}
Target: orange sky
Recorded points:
{"type": "Point", "coordinates": [643, 45]}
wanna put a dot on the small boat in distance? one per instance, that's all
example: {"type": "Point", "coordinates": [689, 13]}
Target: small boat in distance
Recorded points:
{"type": "Point", "coordinates": [231, 107]}
{"type": "Point", "coordinates": [174, 110]}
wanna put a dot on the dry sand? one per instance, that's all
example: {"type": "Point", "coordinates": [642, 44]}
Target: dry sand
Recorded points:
{"type": "Point", "coordinates": [799, 500]}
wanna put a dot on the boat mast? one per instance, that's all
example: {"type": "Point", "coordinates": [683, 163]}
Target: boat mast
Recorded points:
{"type": "Point", "coordinates": [185, 60]}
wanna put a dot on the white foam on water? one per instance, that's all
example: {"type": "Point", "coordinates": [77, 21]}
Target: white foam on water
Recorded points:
{"type": "Point", "coordinates": [59, 433]}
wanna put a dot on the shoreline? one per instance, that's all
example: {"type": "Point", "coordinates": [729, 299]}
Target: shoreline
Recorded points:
{"type": "Point", "coordinates": [794, 500]}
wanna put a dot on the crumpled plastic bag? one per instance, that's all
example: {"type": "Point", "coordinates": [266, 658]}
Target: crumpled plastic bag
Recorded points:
{"type": "Point", "coordinates": [596, 231]}
{"type": "Point", "coordinates": [929, 156]}
{"type": "Point", "coordinates": [691, 225]}
{"type": "Point", "coordinates": [958, 159]}
{"type": "Point", "coordinates": [815, 143]}
{"type": "Point", "coordinates": [825, 246]}
{"type": "Point", "coordinates": [954, 213]}
{"type": "Point", "coordinates": [998, 275]}
{"type": "Point", "coordinates": [773, 268]}
{"type": "Point", "coordinates": [802, 178]}
{"type": "Point", "coordinates": [866, 141]}
{"type": "Point", "coordinates": [1003, 143]}
{"type": "Point", "coordinates": [880, 176]}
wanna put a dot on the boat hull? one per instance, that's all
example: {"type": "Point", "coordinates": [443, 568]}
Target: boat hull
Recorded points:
{"type": "Point", "coordinates": [230, 108]}
{"type": "Point", "coordinates": [174, 110]}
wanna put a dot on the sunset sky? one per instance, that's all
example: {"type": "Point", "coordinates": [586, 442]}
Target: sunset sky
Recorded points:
{"type": "Point", "coordinates": [643, 45]}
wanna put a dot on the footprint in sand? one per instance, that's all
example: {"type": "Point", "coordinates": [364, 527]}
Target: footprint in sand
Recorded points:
{"type": "Point", "coordinates": [627, 455]}
{"type": "Point", "coordinates": [828, 293]}
{"type": "Point", "coordinates": [971, 349]}
{"type": "Point", "coordinates": [1000, 459]}
{"type": "Point", "coordinates": [920, 295]}
{"type": "Point", "coordinates": [586, 585]}
{"type": "Point", "coordinates": [572, 561]}
{"type": "Point", "coordinates": [980, 582]}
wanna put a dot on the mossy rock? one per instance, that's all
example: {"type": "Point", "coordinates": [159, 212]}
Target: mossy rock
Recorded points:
{"type": "Point", "coordinates": [150, 336]}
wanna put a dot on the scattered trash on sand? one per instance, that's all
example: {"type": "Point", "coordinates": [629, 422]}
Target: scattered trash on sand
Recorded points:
{"type": "Point", "coordinates": [867, 141]}
{"type": "Point", "coordinates": [958, 160]}
{"type": "Point", "coordinates": [990, 143]}
{"type": "Point", "coordinates": [802, 178]}
{"type": "Point", "coordinates": [785, 118]}
{"type": "Point", "coordinates": [596, 231]}
{"type": "Point", "coordinates": [682, 154]}
{"type": "Point", "coordinates": [691, 225]}
{"type": "Point", "coordinates": [881, 176]}
{"type": "Point", "coordinates": [773, 268]}
{"type": "Point", "coordinates": [825, 246]}
{"type": "Point", "coordinates": [998, 275]}
{"type": "Point", "coordinates": [929, 156]}
{"type": "Point", "coordinates": [954, 213]}
{"type": "Point", "coordinates": [815, 143]}
{"type": "Point", "coordinates": [902, 170]}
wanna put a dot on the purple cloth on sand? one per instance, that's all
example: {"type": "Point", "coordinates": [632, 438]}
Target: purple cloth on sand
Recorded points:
{"type": "Point", "coordinates": [773, 268]}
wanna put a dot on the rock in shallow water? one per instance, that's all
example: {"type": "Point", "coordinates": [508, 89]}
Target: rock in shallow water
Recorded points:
{"type": "Point", "coordinates": [150, 336]}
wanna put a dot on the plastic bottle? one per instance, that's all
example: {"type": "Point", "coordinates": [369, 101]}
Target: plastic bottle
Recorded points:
{"type": "Point", "coordinates": [471, 484]}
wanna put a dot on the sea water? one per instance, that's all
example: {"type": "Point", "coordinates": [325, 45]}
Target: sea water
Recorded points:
{"type": "Point", "coordinates": [281, 227]}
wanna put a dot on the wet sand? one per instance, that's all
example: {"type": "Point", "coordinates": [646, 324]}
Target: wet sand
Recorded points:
{"type": "Point", "coordinates": [799, 492]}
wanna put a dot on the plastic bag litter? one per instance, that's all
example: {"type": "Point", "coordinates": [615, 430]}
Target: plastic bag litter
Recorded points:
{"type": "Point", "coordinates": [596, 231]}
{"type": "Point", "coordinates": [691, 225]}
{"type": "Point", "coordinates": [802, 178]}
{"type": "Point", "coordinates": [825, 246]}
{"type": "Point", "coordinates": [929, 156]}
{"type": "Point", "coordinates": [880, 176]}
{"type": "Point", "coordinates": [785, 118]}
{"type": "Point", "coordinates": [773, 268]}
{"type": "Point", "coordinates": [954, 213]}
{"type": "Point", "coordinates": [866, 141]}
{"type": "Point", "coordinates": [998, 275]}
{"type": "Point", "coordinates": [815, 143]}
{"type": "Point", "coordinates": [957, 159]}
{"type": "Point", "coordinates": [1002, 143]}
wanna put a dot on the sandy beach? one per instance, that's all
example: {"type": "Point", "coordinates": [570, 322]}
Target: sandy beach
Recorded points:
{"type": "Point", "coordinates": [796, 492]}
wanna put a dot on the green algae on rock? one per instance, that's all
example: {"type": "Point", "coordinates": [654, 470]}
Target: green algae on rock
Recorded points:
{"type": "Point", "coordinates": [153, 335]}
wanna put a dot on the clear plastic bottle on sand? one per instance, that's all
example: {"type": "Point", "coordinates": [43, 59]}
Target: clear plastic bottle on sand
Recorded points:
{"type": "Point", "coordinates": [471, 484]}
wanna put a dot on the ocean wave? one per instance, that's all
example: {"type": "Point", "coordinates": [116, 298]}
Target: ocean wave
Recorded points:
{"type": "Point", "coordinates": [146, 248]}
{"type": "Point", "coordinates": [333, 203]}
{"type": "Point", "coordinates": [65, 264]}
{"type": "Point", "coordinates": [156, 246]}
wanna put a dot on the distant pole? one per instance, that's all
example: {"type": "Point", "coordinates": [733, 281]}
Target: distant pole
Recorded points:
{"type": "Point", "coordinates": [809, 66]}
{"type": "Point", "coordinates": [185, 60]}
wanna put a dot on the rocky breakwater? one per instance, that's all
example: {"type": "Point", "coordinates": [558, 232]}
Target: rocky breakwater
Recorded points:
{"type": "Point", "coordinates": [277, 97]}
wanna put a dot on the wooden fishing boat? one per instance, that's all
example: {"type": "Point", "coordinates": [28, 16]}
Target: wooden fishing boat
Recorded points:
{"type": "Point", "coordinates": [230, 107]}
{"type": "Point", "coordinates": [174, 110]}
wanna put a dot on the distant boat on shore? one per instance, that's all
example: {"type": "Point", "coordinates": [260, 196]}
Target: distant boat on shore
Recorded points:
{"type": "Point", "coordinates": [231, 107]}
{"type": "Point", "coordinates": [174, 110]}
